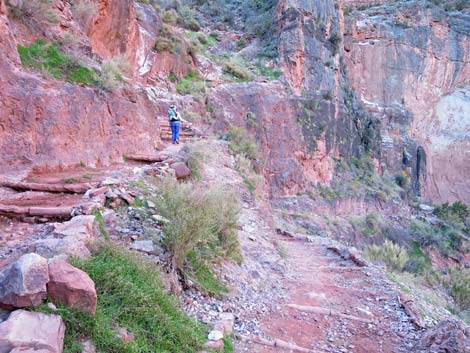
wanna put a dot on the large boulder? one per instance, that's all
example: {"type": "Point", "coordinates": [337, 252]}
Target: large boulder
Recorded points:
{"type": "Point", "coordinates": [71, 286]}
{"type": "Point", "coordinates": [81, 227]}
{"type": "Point", "coordinates": [23, 283]}
{"type": "Point", "coordinates": [37, 332]}
{"type": "Point", "coordinates": [181, 170]}
{"type": "Point", "coordinates": [449, 336]}
{"type": "Point", "coordinates": [68, 246]}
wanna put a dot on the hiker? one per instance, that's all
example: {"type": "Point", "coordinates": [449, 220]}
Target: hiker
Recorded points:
{"type": "Point", "coordinates": [174, 117]}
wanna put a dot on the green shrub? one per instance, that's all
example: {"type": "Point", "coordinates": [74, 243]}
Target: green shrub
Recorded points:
{"type": "Point", "coordinates": [111, 74]}
{"type": "Point", "coordinates": [191, 84]}
{"type": "Point", "coordinates": [130, 295]}
{"type": "Point", "coordinates": [458, 283]}
{"type": "Point", "coordinates": [392, 255]}
{"type": "Point", "coordinates": [162, 45]}
{"type": "Point", "coordinates": [238, 72]}
{"type": "Point", "coordinates": [251, 119]}
{"type": "Point", "coordinates": [47, 58]}
{"type": "Point", "coordinates": [170, 17]}
{"type": "Point", "coordinates": [241, 143]}
{"type": "Point", "coordinates": [458, 212]}
{"type": "Point", "coordinates": [202, 225]}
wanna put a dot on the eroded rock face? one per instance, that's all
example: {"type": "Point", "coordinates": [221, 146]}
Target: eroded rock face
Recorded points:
{"type": "Point", "coordinates": [37, 332]}
{"type": "Point", "coordinates": [289, 165]}
{"type": "Point", "coordinates": [23, 283]}
{"type": "Point", "coordinates": [71, 286]}
{"type": "Point", "coordinates": [410, 67]}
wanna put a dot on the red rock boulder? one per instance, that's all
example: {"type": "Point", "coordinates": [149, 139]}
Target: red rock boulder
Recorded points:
{"type": "Point", "coordinates": [72, 287]}
{"type": "Point", "coordinates": [181, 170]}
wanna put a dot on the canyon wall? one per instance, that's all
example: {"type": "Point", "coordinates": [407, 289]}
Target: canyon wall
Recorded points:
{"type": "Point", "coordinates": [410, 66]}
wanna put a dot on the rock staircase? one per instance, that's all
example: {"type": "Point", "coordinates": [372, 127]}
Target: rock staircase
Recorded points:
{"type": "Point", "coordinates": [187, 132]}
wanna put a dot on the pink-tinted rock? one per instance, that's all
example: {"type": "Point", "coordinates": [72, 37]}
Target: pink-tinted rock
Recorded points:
{"type": "Point", "coordinates": [82, 227]}
{"type": "Point", "coordinates": [450, 336]}
{"type": "Point", "coordinates": [181, 170]}
{"type": "Point", "coordinates": [71, 286]}
{"type": "Point", "coordinates": [23, 283]}
{"type": "Point", "coordinates": [31, 330]}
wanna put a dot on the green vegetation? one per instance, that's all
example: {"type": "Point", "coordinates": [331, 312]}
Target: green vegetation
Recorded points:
{"type": "Point", "coordinates": [38, 10]}
{"type": "Point", "coordinates": [101, 226]}
{"type": "Point", "coordinates": [201, 229]}
{"type": "Point", "coordinates": [392, 255]}
{"type": "Point", "coordinates": [167, 41]}
{"type": "Point", "coordinates": [358, 179]}
{"type": "Point", "coordinates": [457, 213]}
{"type": "Point", "coordinates": [192, 83]}
{"type": "Point", "coordinates": [130, 296]}
{"type": "Point", "coordinates": [458, 283]}
{"type": "Point", "coordinates": [241, 74]}
{"type": "Point", "coordinates": [47, 58]}
{"type": "Point", "coordinates": [241, 143]}
{"type": "Point", "coordinates": [112, 73]}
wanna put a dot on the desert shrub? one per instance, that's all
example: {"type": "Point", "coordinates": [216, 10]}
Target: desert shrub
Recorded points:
{"type": "Point", "coordinates": [192, 83]}
{"type": "Point", "coordinates": [402, 180]}
{"type": "Point", "coordinates": [84, 8]}
{"type": "Point", "coordinates": [170, 17]}
{"type": "Point", "coordinates": [392, 255]}
{"type": "Point", "coordinates": [458, 212]}
{"type": "Point", "coordinates": [39, 10]}
{"type": "Point", "coordinates": [251, 119]}
{"type": "Point", "coordinates": [111, 74]}
{"type": "Point", "coordinates": [162, 45]}
{"type": "Point", "coordinates": [47, 58]}
{"type": "Point", "coordinates": [130, 295]}
{"type": "Point", "coordinates": [241, 143]}
{"type": "Point", "coordinates": [458, 283]}
{"type": "Point", "coordinates": [201, 228]}
{"type": "Point", "coordinates": [232, 69]}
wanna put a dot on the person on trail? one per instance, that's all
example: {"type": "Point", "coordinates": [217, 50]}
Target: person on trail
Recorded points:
{"type": "Point", "coordinates": [174, 117]}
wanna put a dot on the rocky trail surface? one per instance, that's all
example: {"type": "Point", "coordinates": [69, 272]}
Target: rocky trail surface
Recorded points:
{"type": "Point", "coordinates": [332, 305]}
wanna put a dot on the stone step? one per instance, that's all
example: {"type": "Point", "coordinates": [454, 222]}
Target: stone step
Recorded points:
{"type": "Point", "coordinates": [62, 188]}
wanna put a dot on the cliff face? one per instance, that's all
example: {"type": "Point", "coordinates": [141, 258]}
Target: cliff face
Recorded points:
{"type": "Point", "coordinates": [48, 124]}
{"type": "Point", "coordinates": [410, 67]}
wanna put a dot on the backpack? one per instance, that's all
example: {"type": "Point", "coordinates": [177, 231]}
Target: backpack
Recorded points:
{"type": "Point", "coordinates": [172, 115]}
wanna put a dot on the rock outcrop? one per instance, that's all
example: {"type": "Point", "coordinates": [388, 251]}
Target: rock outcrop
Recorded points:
{"type": "Point", "coordinates": [37, 332]}
{"type": "Point", "coordinates": [409, 64]}
{"type": "Point", "coordinates": [23, 283]}
{"type": "Point", "coordinates": [71, 286]}
{"type": "Point", "coordinates": [449, 336]}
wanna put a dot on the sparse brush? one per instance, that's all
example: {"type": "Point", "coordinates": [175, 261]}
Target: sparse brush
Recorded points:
{"type": "Point", "coordinates": [241, 143]}
{"type": "Point", "coordinates": [458, 283]}
{"type": "Point", "coordinates": [392, 255]}
{"type": "Point", "coordinates": [84, 8]}
{"type": "Point", "coordinates": [112, 73]}
{"type": "Point", "coordinates": [202, 225]}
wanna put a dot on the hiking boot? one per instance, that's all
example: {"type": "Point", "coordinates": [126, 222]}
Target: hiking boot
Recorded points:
{"type": "Point", "coordinates": [177, 142]}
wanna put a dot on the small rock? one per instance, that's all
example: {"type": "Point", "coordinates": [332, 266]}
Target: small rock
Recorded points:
{"type": "Point", "coordinates": [124, 334]}
{"type": "Point", "coordinates": [82, 227]}
{"type": "Point", "coordinates": [160, 219]}
{"type": "Point", "coordinates": [151, 204]}
{"type": "Point", "coordinates": [215, 344]}
{"type": "Point", "coordinates": [215, 335]}
{"type": "Point", "coordinates": [68, 246]}
{"type": "Point", "coordinates": [144, 246]}
{"type": "Point", "coordinates": [25, 329]}
{"type": "Point", "coordinates": [88, 347]}
{"type": "Point", "coordinates": [72, 287]}
{"type": "Point", "coordinates": [52, 306]}
{"type": "Point", "coordinates": [23, 283]}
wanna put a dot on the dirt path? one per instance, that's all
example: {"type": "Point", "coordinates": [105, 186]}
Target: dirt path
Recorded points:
{"type": "Point", "coordinates": [332, 305]}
